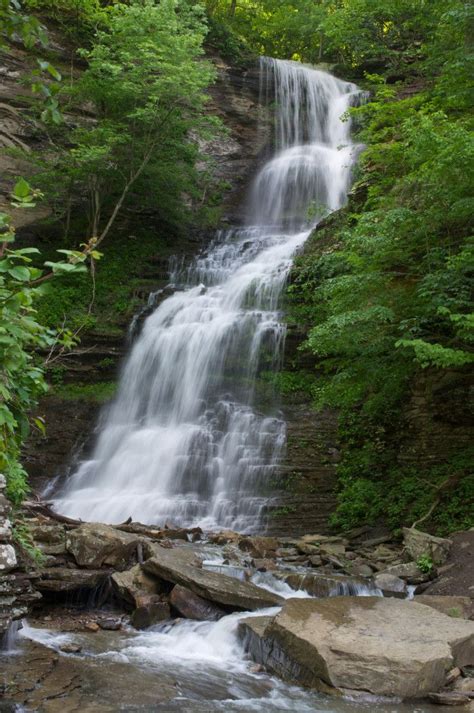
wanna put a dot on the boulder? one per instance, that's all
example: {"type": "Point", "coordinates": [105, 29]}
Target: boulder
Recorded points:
{"type": "Point", "coordinates": [93, 545]}
{"type": "Point", "coordinates": [390, 585]}
{"type": "Point", "coordinates": [259, 546]}
{"type": "Point", "coordinates": [387, 647]}
{"type": "Point", "coordinates": [449, 698]}
{"type": "Point", "coordinates": [133, 583]}
{"type": "Point", "coordinates": [419, 544]}
{"type": "Point", "coordinates": [52, 534]}
{"type": "Point", "coordinates": [192, 606]}
{"type": "Point", "coordinates": [458, 607]}
{"type": "Point", "coordinates": [173, 566]}
{"type": "Point", "coordinates": [409, 571]}
{"type": "Point", "coordinates": [150, 610]}
{"type": "Point", "coordinates": [63, 579]}
{"type": "Point", "coordinates": [7, 559]}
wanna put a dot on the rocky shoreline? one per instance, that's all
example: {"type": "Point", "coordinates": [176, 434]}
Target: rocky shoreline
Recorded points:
{"type": "Point", "coordinates": [401, 639]}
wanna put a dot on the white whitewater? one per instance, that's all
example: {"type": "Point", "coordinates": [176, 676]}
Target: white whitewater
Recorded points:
{"type": "Point", "coordinates": [182, 442]}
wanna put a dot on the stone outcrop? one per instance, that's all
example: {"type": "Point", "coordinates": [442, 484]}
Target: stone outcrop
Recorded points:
{"type": "Point", "coordinates": [421, 544]}
{"type": "Point", "coordinates": [16, 590]}
{"type": "Point", "coordinates": [133, 584]}
{"type": "Point", "coordinates": [68, 579]}
{"type": "Point", "coordinates": [385, 647]}
{"type": "Point", "coordinates": [192, 606]}
{"type": "Point", "coordinates": [93, 545]}
{"type": "Point", "coordinates": [173, 566]}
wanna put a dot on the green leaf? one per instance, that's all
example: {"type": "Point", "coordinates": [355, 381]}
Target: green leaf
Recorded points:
{"type": "Point", "coordinates": [20, 273]}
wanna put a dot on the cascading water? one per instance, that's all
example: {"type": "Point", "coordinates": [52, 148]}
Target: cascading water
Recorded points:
{"type": "Point", "coordinates": [182, 441]}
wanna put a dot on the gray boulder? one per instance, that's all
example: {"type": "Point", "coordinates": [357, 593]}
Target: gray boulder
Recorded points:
{"type": "Point", "coordinates": [93, 545]}
{"type": "Point", "coordinates": [133, 584]}
{"type": "Point", "coordinates": [150, 610]}
{"type": "Point", "coordinates": [172, 565]}
{"type": "Point", "coordinates": [390, 585]}
{"type": "Point", "coordinates": [192, 606]}
{"type": "Point", "coordinates": [388, 647]}
{"type": "Point", "coordinates": [419, 544]}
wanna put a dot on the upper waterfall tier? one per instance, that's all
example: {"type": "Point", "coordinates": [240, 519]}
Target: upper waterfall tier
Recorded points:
{"type": "Point", "coordinates": [182, 441]}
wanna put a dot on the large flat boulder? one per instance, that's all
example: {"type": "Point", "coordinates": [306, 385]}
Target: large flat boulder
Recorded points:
{"type": "Point", "coordinates": [173, 565]}
{"type": "Point", "coordinates": [93, 545]}
{"type": "Point", "coordinates": [387, 647]}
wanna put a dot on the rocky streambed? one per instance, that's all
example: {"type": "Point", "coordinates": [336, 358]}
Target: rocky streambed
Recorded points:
{"type": "Point", "coordinates": [134, 617]}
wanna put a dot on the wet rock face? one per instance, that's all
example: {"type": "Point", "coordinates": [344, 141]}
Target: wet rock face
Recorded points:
{"type": "Point", "coordinates": [192, 606]}
{"type": "Point", "coordinates": [43, 680]}
{"type": "Point", "coordinates": [173, 566]}
{"type": "Point", "coordinates": [383, 646]}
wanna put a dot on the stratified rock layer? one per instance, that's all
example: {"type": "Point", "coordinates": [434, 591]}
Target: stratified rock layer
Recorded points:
{"type": "Point", "coordinates": [173, 566]}
{"type": "Point", "coordinates": [383, 646]}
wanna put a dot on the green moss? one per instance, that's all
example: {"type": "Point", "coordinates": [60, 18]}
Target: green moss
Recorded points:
{"type": "Point", "coordinates": [99, 392]}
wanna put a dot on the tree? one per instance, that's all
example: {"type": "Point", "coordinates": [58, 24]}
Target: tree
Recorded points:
{"type": "Point", "coordinates": [145, 85]}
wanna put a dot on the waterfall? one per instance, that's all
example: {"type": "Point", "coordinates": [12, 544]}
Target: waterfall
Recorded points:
{"type": "Point", "coordinates": [183, 441]}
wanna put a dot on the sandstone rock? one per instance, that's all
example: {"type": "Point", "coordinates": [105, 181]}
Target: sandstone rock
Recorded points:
{"type": "Point", "coordinates": [173, 566]}
{"type": "Point", "coordinates": [53, 534]}
{"type": "Point", "coordinates": [192, 606]}
{"type": "Point", "coordinates": [93, 545]}
{"type": "Point", "coordinates": [319, 584]}
{"type": "Point", "coordinates": [7, 559]}
{"type": "Point", "coordinates": [5, 505]}
{"type": "Point", "coordinates": [458, 607]}
{"type": "Point", "coordinates": [63, 579]}
{"type": "Point", "coordinates": [361, 570]}
{"type": "Point", "coordinates": [224, 537]}
{"type": "Point", "coordinates": [382, 646]}
{"type": "Point", "coordinates": [419, 544]}
{"type": "Point", "coordinates": [449, 698]}
{"type": "Point", "coordinates": [109, 623]}
{"type": "Point", "coordinates": [259, 546]}
{"type": "Point", "coordinates": [336, 549]}
{"type": "Point", "coordinates": [91, 626]}
{"type": "Point", "coordinates": [150, 610]}
{"type": "Point", "coordinates": [264, 565]}
{"type": "Point", "coordinates": [5, 529]}
{"type": "Point", "coordinates": [70, 648]}
{"type": "Point", "coordinates": [133, 583]}
{"type": "Point", "coordinates": [390, 585]}
{"type": "Point", "coordinates": [251, 632]}
{"type": "Point", "coordinates": [409, 571]}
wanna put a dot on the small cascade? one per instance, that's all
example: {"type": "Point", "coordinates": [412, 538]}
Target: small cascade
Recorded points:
{"type": "Point", "coordinates": [184, 441]}
{"type": "Point", "coordinates": [9, 643]}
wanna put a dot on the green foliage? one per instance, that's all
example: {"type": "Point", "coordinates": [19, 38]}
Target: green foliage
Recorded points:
{"type": "Point", "coordinates": [21, 336]}
{"type": "Point", "coordinates": [385, 287]}
{"type": "Point", "coordinates": [425, 564]}
{"type": "Point", "coordinates": [97, 392]}
{"type": "Point", "coordinates": [23, 539]}
{"type": "Point", "coordinates": [145, 83]}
